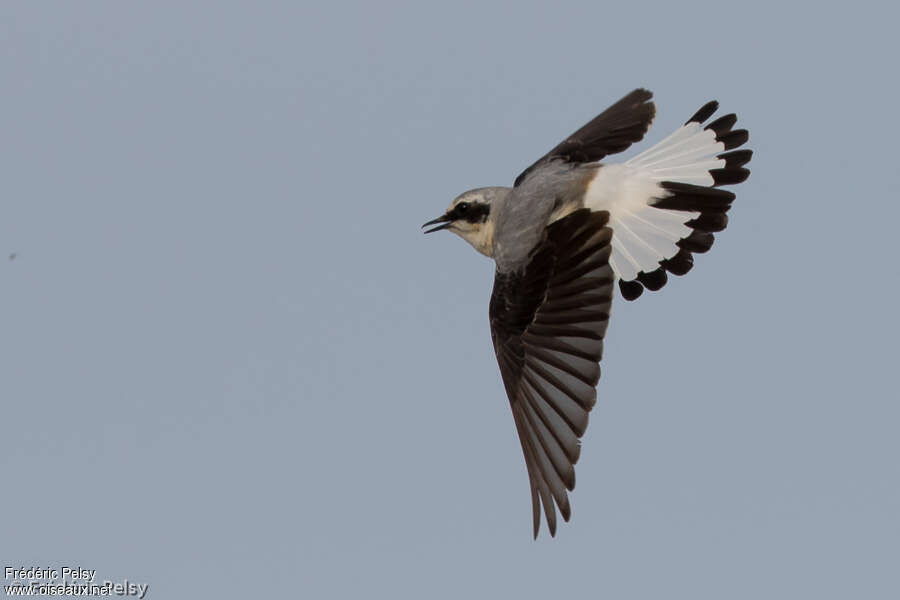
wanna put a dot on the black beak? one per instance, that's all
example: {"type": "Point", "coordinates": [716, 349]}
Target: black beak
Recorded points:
{"type": "Point", "coordinates": [444, 221]}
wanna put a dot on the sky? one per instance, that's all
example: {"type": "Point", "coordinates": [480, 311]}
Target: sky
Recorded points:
{"type": "Point", "coordinates": [232, 366]}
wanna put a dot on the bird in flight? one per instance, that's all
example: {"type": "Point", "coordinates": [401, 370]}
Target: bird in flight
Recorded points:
{"type": "Point", "coordinates": [569, 229]}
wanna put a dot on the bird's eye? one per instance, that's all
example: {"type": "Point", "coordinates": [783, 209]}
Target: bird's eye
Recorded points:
{"type": "Point", "coordinates": [462, 206]}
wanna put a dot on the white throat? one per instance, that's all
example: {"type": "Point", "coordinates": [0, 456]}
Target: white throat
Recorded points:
{"type": "Point", "coordinates": [481, 237]}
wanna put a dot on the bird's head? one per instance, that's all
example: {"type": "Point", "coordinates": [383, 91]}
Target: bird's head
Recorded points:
{"type": "Point", "coordinates": [470, 217]}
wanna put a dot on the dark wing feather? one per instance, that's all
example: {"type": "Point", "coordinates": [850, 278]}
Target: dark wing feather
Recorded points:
{"type": "Point", "coordinates": [547, 325]}
{"type": "Point", "coordinates": [612, 131]}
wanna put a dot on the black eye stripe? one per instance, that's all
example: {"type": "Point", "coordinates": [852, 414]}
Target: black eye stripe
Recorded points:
{"type": "Point", "coordinates": [477, 213]}
{"type": "Point", "coordinates": [472, 212]}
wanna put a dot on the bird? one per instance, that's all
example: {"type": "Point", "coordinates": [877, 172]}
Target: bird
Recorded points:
{"type": "Point", "coordinates": [569, 231]}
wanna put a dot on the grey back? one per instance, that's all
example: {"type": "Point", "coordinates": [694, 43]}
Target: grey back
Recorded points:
{"type": "Point", "coordinates": [523, 214]}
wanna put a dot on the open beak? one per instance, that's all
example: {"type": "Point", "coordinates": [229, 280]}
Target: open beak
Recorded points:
{"type": "Point", "coordinates": [444, 221]}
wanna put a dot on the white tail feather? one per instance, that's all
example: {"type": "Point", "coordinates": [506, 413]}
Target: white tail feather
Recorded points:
{"type": "Point", "coordinates": [644, 235]}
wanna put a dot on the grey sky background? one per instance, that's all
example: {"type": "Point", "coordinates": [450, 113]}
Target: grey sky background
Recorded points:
{"type": "Point", "coordinates": [231, 366]}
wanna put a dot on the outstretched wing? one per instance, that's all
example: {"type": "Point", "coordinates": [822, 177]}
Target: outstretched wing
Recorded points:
{"type": "Point", "coordinates": [612, 131]}
{"type": "Point", "coordinates": [547, 325]}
